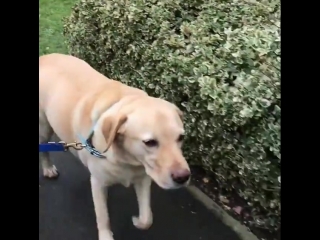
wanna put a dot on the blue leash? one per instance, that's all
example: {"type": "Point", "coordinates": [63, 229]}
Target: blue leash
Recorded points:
{"type": "Point", "coordinates": [63, 147]}
{"type": "Point", "coordinates": [52, 147]}
{"type": "Point", "coordinates": [59, 146]}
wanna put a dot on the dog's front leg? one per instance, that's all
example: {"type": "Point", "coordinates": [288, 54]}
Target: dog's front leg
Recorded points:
{"type": "Point", "coordinates": [142, 188]}
{"type": "Point", "coordinates": [101, 210]}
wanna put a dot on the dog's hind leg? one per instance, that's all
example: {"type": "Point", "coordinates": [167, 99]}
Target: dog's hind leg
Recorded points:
{"type": "Point", "coordinates": [45, 133]}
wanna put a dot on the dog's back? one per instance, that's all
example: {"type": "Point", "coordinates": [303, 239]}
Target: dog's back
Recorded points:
{"type": "Point", "coordinates": [65, 82]}
{"type": "Point", "coordinates": [67, 79]}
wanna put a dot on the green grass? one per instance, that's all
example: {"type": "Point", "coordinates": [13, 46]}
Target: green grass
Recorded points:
{"type": "Point", "coordinates": [51, 13]}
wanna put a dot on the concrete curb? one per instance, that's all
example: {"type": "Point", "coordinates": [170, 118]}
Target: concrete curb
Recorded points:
{"type": "Point", "coordinates": [236, 226]}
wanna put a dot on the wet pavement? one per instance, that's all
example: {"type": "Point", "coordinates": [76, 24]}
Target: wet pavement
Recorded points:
{"type": "Point", "coordinates": [66, 210]}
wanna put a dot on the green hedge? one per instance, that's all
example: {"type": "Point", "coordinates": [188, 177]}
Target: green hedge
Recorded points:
{"type": "Point", "coordinates": [219, 61]}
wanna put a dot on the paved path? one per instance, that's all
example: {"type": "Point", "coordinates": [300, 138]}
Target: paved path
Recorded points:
{"type": "Point", "coordinates": [66, 210]}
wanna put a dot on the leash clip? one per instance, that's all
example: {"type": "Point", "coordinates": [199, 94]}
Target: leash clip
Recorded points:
{"type": "Point", "coordinates": [74, 145]}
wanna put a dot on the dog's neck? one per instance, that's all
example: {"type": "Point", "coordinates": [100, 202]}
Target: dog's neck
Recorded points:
{"type": "Point", "coordinates": [117, 153]}
{"type": "Point", "coordinates": [123, 155]}
{"type": "Point", "coordinates": [98, 113]}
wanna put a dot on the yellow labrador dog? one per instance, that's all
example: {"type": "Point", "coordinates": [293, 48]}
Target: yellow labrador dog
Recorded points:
{"type": "Point", "coordinates": [131, 138]}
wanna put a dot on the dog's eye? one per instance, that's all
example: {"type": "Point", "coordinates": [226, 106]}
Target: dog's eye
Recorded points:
{"type": "Point", "coordinates": [151, 143]}
{"type": "Point", "coordinates": [180, 138]}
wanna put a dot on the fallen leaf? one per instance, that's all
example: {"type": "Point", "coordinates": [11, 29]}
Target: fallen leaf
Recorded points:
{"type": "Point", "coordinates": [205, 180]}
{"type": "Point", "coordinates": [226, 207]}
{"type": "Point", "coordinates": [237, 209]}
{"type": "Point", "coordinates": [223, 199]}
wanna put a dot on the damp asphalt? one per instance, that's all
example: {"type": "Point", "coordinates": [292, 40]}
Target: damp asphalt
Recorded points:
{"type": "Point", "coordinates": [66, 210]}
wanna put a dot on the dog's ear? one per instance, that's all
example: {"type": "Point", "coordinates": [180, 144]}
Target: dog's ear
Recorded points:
{"type": "Point", "coordinates": [180, 113]}
{"type": "Point", "coordinates": [110, 126]}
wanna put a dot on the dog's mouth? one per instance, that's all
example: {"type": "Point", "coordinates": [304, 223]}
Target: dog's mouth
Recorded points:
{"type": "Point", "coordinates": [166, 181]}
{"type": "Point", "coordinates": [164, 178]}
{"type": "Point", "coordinates": [171, 186]}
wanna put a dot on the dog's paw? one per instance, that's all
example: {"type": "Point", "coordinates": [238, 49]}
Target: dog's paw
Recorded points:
{"type": "Point", "coordinates": [143, 224]}
{"type": "Point", "coordinates": [50, 172]}
{"type": "Point", "coordinates": [105, 235]}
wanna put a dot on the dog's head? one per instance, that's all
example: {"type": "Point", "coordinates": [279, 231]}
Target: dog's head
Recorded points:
{"type": "Point", "coordinates": [150, 131]}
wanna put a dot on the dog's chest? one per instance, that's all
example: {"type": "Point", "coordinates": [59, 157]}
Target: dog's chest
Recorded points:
{"type": "Point", "coordinates": [113, 173]}
{"type": "Point", "coordinates": [110, 172]}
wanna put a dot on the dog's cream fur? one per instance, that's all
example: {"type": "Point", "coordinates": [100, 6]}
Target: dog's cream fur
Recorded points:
{"type": "Point", "coordinates": [73, 96]}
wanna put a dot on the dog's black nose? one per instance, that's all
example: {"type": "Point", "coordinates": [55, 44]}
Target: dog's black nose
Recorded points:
{"type": "Point", "coordinates": [181, 176]}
